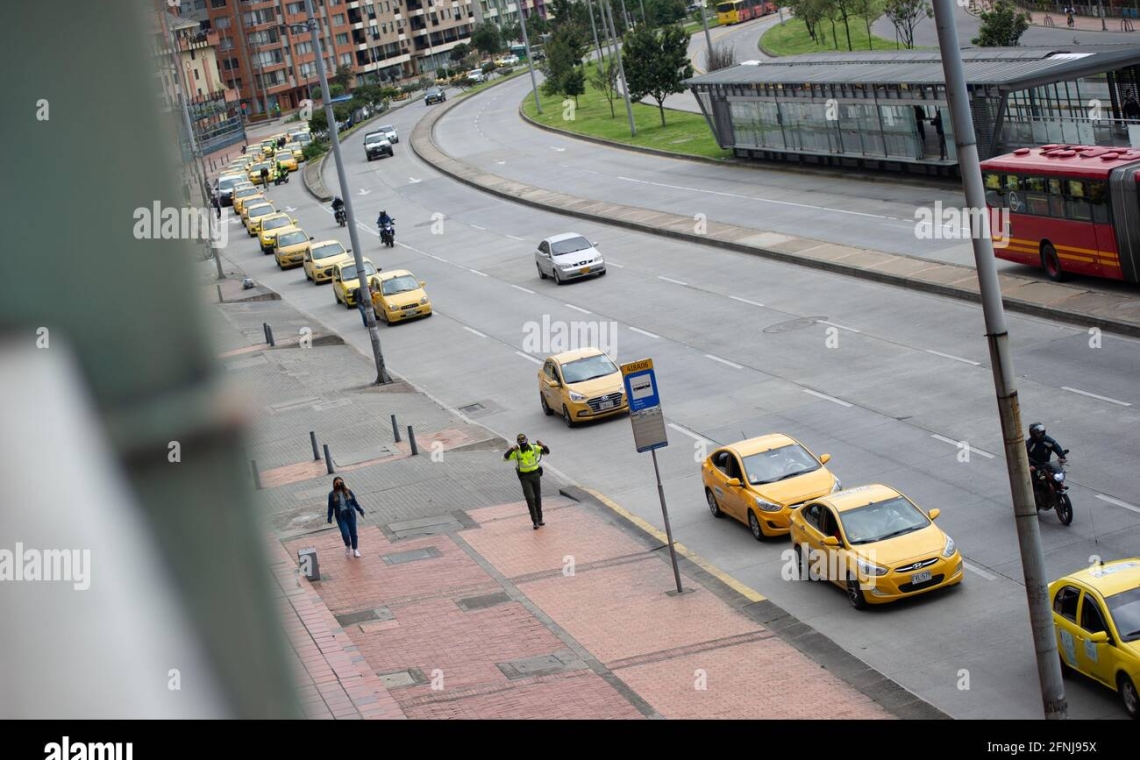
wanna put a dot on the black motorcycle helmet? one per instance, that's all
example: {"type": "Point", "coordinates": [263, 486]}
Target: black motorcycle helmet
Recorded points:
{"type": "Point", "coordinates": [1037, 430]}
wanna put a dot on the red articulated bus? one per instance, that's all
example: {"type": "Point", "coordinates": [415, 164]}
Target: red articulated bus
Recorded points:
{"type": "Point", "coordinates": [1072, 209]}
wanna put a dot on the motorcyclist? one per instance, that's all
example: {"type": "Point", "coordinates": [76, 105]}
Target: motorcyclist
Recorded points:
{"type": "Point", "coordinates": [384, 220]}
{"type": "Point", "coordinates": [282, 171]}
{"type": "Point", "coordinates": [1041, 447]}
{"type": "Point", "coordinates": [337, 207]}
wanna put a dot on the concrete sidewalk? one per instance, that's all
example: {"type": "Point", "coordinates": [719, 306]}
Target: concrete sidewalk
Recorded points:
{"type": "Point", "coordinates": [1085, 306]}
{"type": "Point", "coordinates": [457, 608]}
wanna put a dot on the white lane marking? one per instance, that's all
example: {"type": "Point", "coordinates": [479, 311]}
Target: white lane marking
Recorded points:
{"type": "Point", "coordinates": [1118, 502]}
{"type": "Point", "coordinates": [612, 264]}
{"type": "Point", "coordinates": [670, 279]}
{"type": "Point", "coordinates": [515, 237]}
{"type": "Point", "coordinates": [975, 569]}
{"type": "Point", "coordinates": [841, 327]}
{"type": "Point", "coordinates": [528, 357]}
{"type": "Point", "coordinates": [520, 287]}
{"type": "Point", "coordinates": [762, 200]}
{"type": "Point", "coordinates": [723, 361]}
{"type": "Point", "coordinates": [1093, 395]}
{"type": "Point", "coordinates": [832, 399]}
{"type": "Point", "coordinates": [745, 300]}
{"type": "Point", "coordinates": [476, 332]}
{"type": "Point", "coordinates": [950, 356]}
{"type": "Point", "coordinates": [477, 227]}
{"type": "Point", "coordinates": [577, 308]}
{"type": "Point", "coordinates": [952, 442]}
{"type": "Point", "coordinates": [690, 433]}
{"type": "Point", "coordinates": [644, 332]}
{"type": "Point", "coordinates": [476, 271]}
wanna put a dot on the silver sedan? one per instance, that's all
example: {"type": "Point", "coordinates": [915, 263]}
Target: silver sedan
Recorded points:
{"type": "Point", "coordinates": [568, 256]}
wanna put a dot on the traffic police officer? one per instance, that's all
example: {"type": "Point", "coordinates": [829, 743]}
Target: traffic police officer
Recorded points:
{"type": "Point", "coordinates": [528, 458]}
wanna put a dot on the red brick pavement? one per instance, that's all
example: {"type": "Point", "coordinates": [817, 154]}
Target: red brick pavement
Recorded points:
{"type": "Point", "coordinates": [581, 589]}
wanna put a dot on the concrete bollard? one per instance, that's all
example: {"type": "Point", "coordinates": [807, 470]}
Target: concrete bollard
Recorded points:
{"type": "Point", "coordinates": [268, 334]}
{"type": "Point", "coordinates": [256, 474]}
{"type": "Point", "coordinates": [328, 460]}
{"type": "Point", "coordinates": [316, 451]}
{"type": "Point", "coordinates": [412, 441]}
{"type": "Point", "coordinates": [219, 293]}
{"type": "Point", "coordinates": [395, 429]}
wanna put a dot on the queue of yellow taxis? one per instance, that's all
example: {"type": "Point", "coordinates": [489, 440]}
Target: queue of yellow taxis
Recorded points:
{"type": "Point", "coordinates": [253, 213]}
{"type": "Point", "coordinates": [269, 225]}
{"type": "Point", "coordinates": [581, 385]}
{"type": "Point", "coordinates": [873, 542]}
{"type": "Point", "coordinates": [345, 280]}
{"type": "Point", "coordinates": [290, 244]}
{"type": "Point", "coordinates": [762, 481]}
{"type": "Point", "coordinates": [398, 296]}
{"type": "Point", "coordinates": [246, 193]}
{"type": "Point", "coordinates": [1096, 614]}
{"type": "Point", "coordinates": [255, 172]}
{"type": "Point", "coordinates": [286, 158]}
{"type": "Point", "coordinates": [321, 257]}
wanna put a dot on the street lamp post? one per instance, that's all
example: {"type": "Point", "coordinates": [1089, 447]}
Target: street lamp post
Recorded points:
{"type": "Point", "coordinates": [607, 8]}
{"type": "Point", "coordinates": [594, 29]}
{"type": "Point", "coordinates": [1026, 521]}
{"type": "Point", "coordinates": [708, 36]}
{"type": "Point", "coordinates": [382, 377]}
{"type": "Point", "coordinates": [529, 59]}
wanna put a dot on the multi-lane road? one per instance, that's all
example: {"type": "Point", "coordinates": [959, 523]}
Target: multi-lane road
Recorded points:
{"type": "Point", "coordinates": [885, 380]}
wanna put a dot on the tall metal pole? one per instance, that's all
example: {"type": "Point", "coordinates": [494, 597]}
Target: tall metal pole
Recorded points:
{"type": "Point", "coordinates": [1025, 513]}
{"type": "Point", "coordinates": [382, 377]}
{"type": "Point", "coordinates": [594, 29]}
{"type": "Point", "coordinates": [1100, 11]}
{"type": "Point", "coordinates": [644, 18]}
{"type": "Point", "coordinates": [668, 529]}
{"type": "Point", "coordinates": [607, 8]}
{"type": "Point", "coordinates": [529, 60]}
{"type": "Point", "coordinates": [708, 36]}
{"type": "Point", "coordinates": [625, 17]}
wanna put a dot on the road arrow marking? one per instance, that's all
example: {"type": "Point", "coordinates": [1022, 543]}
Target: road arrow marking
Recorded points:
{"type": "Point", "coordinates": [364, 192]}
{"type": "Point", "coordinates": [413, 180]}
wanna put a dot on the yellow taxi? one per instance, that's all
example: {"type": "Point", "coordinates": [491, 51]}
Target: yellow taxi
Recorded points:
{"type": "Point", "coordinates": [399, 296]}
{"type": "Point", "coordinates": [286, 159]}
{"type": "Point", "coordinates": [289, 246]}
{"type": "Point", "coordinates": [246, 193]}
{"type": "Point", "coordinates": [762, 481]}
{"type": "Point", "coordinates": [345, 280]}
{"type": "Point", "coordinates": [1096, 613]}
{"type": "Point", "coordinates": [873, 542]}
{"type": "Point", "coordinates": [583, 384]}
{"type": "Point", "coordinates": [297, 149]}
{"type": "Point", "coordinates": [268, 145]}
{"type": "Point", "coordinates": [321, 257]}
{"type": "Point", "coordinates": [255, 171]}
{"type": "Point", "coordinates": [253, 214]}
{"type": "Point", "coordinates": [269, 227]}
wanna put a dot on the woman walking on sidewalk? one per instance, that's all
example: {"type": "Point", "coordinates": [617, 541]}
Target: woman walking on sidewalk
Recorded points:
{"type": "Point", "coordinates": [343, 504]}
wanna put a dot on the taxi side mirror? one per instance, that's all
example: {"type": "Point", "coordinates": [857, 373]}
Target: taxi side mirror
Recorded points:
{"type": "Point", "coordinates": [1100, 637]}
{"type": "Point", "coordinates": [830, 541]}
{"type": "Point", "coordinates": [733, 483]}
{"type": "Point", "coordinates": [422, 284]}
{"type": "Point", "coordinates": [824, 458]}
{"type": "Point", "coordinates": [934, 513]}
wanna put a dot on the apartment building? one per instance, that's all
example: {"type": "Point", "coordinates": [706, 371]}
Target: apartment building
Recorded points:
{"type": "Point", "coordinates": [266, 52]}
{"type": "Point", "coordinates": [506, 12]}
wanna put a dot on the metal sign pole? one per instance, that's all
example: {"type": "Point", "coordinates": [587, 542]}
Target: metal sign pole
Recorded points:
{"type": "Point", "coordinates": [668, 529]}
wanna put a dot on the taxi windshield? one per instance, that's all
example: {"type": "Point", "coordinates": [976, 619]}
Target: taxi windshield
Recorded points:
{"type": "Point", "coordinates": [402, 284]}
{"type": "Point", "coordinates": [778, 464]}
{"type": "Point", "coordinates": [882, 520]}
{"type": "Point", "coordinates": [581, 370]}
{"type": "Point", "coordinates": [1125, 610]}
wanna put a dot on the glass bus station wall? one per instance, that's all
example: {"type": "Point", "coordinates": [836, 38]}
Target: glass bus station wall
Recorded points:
{"type": "Point", "coordinates": [1086, 111]}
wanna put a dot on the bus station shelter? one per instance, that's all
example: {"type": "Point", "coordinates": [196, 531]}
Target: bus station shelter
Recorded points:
{"type": "Point", "coordinates": [881, 109]}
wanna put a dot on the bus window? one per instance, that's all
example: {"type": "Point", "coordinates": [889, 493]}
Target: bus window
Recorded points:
{"type": "Point", "coordinates": [1098, 199]}
{"type": "Point", "coordinates": [995, 193]}
{"type": "Point", "coordinates": [1056, 199]}
{"type": "Point", "coordinates": [1012, 182]}
{"type": "Point", "coordinates": [1036, 201]}
{"type": "Point", "coordinates": [993, 181]}
{"type": "Point", "coordinates": [1076, 205]}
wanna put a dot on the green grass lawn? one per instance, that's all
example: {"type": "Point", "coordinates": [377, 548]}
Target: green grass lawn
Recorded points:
{"type": "Point", "coordinates": [691, 27]}
{"type": "Point", "coordinates": [792, 39]}
{"type": "Point", "coordinates": [684, 133]}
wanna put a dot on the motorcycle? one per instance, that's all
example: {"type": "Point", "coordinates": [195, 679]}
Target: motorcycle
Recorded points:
{"type": "Point", "coordinates": [1049, 490]}
{"type": "Point", "coordinates": [281, 179]}
{"type": "Point", "coordinates": [341, 217]}
{"type": "Point", "coordinates": [388, 234]}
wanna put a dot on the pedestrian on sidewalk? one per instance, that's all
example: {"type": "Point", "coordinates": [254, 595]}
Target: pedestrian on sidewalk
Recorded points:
{"type": "Point", "coordinates": [528, 459]}
{"type": "Point", "coordinates": [936, 122]}
{"type": "Point", "coordinates": [218, 205]}
{"type": "Point", "coordinates": [1131, 107]}
{"type": "Point", "coordinates": [343, 504]}
{"type": "Point", "coordinates": [363, 301]}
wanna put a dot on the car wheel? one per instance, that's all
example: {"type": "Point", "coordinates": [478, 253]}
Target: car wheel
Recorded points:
{"type": "Point", "coordinates": [803, 568]}
{"type": "Point", "coordinates": [541, 274]}
{"type": "Point", "coordinates": [545, 406]}
{"type": "Point", "coordinates": [557, 277]}
{"type": "Point", "coordinates": [754, 524]}
{"type": "Point", "coordinates": [566, 417]}
{"type": "Point", "coordinates": [714, 508]}
{"type": "Point", "coordinates": [1129, 696]}
{"type": "Point", "coordinates": [855, 594]}
{"type": "Point", "coordinates": [602, 273]}
{"type": "Point", "coordinates": [1051, 263]}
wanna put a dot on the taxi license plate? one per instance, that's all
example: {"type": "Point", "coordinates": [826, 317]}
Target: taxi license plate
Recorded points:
{"type": "Point", "coordinates": [606, 405]}
{"type": "Point", "coordinates": [922, 577]}
{"type": "Point", "coordinates": [411, 312]}
{"type": "Point", "coordinates": [585, 270]}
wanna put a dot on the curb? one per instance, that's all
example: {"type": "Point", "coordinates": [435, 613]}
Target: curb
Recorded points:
{"type": "Point", "coordinates": [679, 228]}
{"type": "Point", "coordinates": [821, 650]}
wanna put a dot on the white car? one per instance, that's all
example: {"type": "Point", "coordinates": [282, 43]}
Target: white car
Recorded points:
{"type": "Point", "coordinates": [390, 131]}
{"type": "Point", "coordinates": [475, 76]}
{"type": "Point", "coordinates": [567, 257]}
{"type": "Point", "coordinates": [507, 60]}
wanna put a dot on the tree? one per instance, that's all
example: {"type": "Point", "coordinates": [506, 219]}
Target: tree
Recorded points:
{"type": "Point", "coordinates": [343, 77]}
{"type": "Point", "coordinates": [905, 15]}
{"type": "Point", "coordinates": [656, 63]}
{"type": "Point", "coordinates": [868, 10]}
{"type": "Point", "coordinates": [843, 10]}
{"type": "Point", "coordinates": [486, 39]}
{"type": "Point", "coordinates": [1002, 25]}
{"type": "Point", "coordinates": [812, 13]}
{"type": "Point", "coordinates": [561, 60]}
{"type": "Point", "coordinates": [604, 78]}
{"type": "Point", "coordinates": [574, 83]}
{"type": "Point", "coordinates": [460, 51]}
{"type": "Point", "coordinates": [662, 12]}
